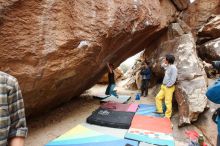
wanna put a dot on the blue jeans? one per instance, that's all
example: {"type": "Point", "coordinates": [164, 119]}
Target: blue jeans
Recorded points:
{"type": "Point", "coordinates": [110, 90]}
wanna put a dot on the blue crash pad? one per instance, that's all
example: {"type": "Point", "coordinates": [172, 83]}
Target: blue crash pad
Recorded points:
{"type": "Point", "coordinates": [82, 136]}
{"type": "Point", "coordinates": [213, 92]}
{"type": "Point", "coordinates": [147, 110]}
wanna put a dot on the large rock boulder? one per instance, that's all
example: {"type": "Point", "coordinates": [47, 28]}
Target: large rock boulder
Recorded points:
{"type": "Point", "coordinates": [210, 51]}
{"type": "Point", "coordinates": [58, 49]}
{"type": "Point", "coordinates": [181, 4]}
{"type": "Point", "coordinates": [191, 84]}
{"type": "Point", "coordinates": [198, 13]}
{"type": "Point", "coordinates": [133, 75]}
{"type": "Point", "coordinates": [212, 28]}
{"type": "Point", "coordinates": [208, 43]}
{"type": "Point", "coordinates": [210, 71]}
{"type": "Point", "coordinates": [4, 4]}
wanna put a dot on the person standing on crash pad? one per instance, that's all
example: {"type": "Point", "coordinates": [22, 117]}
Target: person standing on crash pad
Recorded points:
{"type": "Point", "coordinates": [146, 74]}
{"type": "Point", "coordinates": [111, 80]}
{"type": "Point", "coordinates": [168, 86]}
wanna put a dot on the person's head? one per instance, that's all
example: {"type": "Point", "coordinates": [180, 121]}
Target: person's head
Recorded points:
{"type": "Point", "coordinates": [143, 65]}
{"type": "Point", "coordinates": [147, 63]}
{"type": "Point", "coordinates": [169, 59]}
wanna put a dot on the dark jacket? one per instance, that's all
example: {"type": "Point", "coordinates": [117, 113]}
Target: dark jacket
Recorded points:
{"type": "Point", "coordinates": [111, 78]}
{"type": "Point", "coordinates": [146, 72]}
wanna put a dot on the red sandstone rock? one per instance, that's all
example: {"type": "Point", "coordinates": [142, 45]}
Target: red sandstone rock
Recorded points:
{"type": "Point", "coordinates": [212, 28]}
{"type": "Point", "coordinates": [58, 49]}
{"type": "Point", "coordinates": [210, 51]}
{"type": "Point", "coordinates": [181, 4]}
{"type": "Point", "coordinates": [198, 13]}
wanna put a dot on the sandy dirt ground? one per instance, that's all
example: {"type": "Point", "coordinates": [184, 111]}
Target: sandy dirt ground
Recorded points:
{"type": "Point", "coordinates": [51, 125]}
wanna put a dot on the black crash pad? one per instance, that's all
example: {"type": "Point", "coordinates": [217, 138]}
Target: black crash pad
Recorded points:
{"type": "Point", "coordinates": [109, 118]}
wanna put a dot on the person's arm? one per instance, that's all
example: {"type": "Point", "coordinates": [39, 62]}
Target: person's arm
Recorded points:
{"type": "Point", "coordinates": [18, 128]}
{"type": "Point", "coordinates": [16, 141]}
{"type": "Point", "coordinates": [109, 68]}
{"type": "Point", "coordinates": [172, 78]}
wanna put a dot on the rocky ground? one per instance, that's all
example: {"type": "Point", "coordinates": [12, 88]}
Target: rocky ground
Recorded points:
{"type": "Point", "coordinates": [50, 125]}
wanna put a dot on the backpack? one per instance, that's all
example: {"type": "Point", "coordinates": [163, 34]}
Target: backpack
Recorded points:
{"type": "Point", "coordinates": [213, 92]}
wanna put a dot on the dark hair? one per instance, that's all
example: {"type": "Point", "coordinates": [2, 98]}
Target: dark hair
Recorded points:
{"type": "Point", "coordinates": [147, 62]}
{"type": "Point", "coordinates": [170, 58]}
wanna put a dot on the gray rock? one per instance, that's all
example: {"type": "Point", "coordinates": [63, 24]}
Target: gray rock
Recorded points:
{"type": "Point", "coordinates": [212, 28]}
{"type": "Point", "coordinates": [210, 50]}
{"type": "Point", "coordinates": [191, 78]}
{"type": "Point", "coordinates": [181, 4]}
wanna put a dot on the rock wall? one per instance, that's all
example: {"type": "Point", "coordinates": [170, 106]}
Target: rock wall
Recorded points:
{"type": "Point", "coordinates": [181, 4]}
{"type": "Point", "coordinates": [58, 49]}
{"type": "Point", "coordinates": [198, 13]}
{"type": "Point", "coordinates": [210, 51]}
{"type": "Point", "coordinates": [211, 28]}
{"type": "Point", "coordinates": [208, 44]}
{"type": "Point", "coordinates": [192, 78]}
{"type": "Point", "coordinates": [133, 75]}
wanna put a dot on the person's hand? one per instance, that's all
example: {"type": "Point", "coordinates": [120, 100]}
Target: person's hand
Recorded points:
{"type": "Point", "coordinates": [164, 60]}
{"type": "Point", "coordinates": [168, 86]}
{"type": "Point", "coordinates": [163, 63]}
{"type": "Point", "coordinates": [16, 141]}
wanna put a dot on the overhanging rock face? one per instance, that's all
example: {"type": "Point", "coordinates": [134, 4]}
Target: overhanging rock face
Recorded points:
{"type": "Point", "coordinates": [198, 13]}
{"type": "Point", "coordinates": [58, 49]}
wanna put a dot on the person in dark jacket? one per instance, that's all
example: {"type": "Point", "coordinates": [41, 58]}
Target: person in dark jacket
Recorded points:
{"type": "Point", "coordinates": [146, 74]}
{"type": "Point", "coordinates": [111, 81]}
